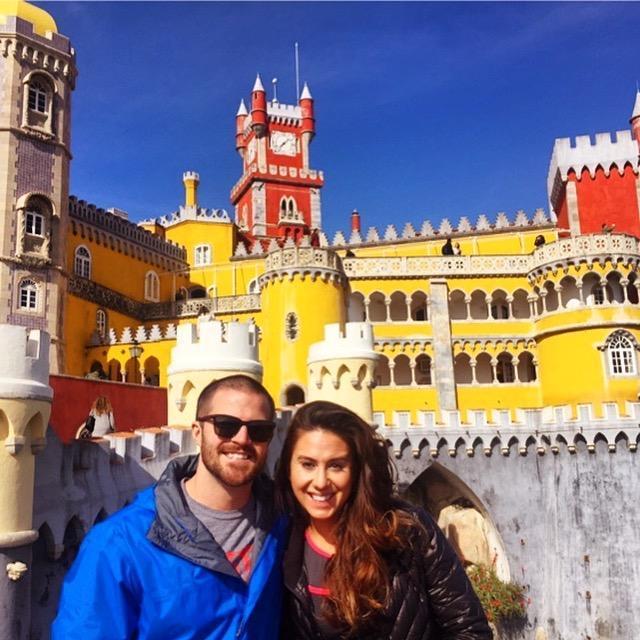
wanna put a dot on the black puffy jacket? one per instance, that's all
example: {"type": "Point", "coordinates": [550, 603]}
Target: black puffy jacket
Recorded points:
{"type": "Point", "coordinates": [431, 597]}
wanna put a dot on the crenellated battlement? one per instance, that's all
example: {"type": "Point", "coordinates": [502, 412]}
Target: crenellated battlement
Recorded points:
{"type": "Point", "coordinates": [353, 340]}
{"type": "Point", "coordinates": [212, 345]}
{"type": "Point", "coordinates": [584, 153]}
{"type": "Point", "coordinates": [547, 429]}
{"type": "Point", "coordinates": [194, 213]}
{"type": "Point", "coordinates": [24, 366]}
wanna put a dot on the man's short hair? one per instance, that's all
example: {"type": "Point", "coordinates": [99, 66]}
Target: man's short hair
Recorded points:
{"type": "Point", "coordinates": [238, 382]}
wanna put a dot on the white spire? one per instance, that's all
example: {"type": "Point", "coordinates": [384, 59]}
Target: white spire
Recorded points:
{"type": "Point", "coordinates": [258, 84]}
{"type": "Point", "coordinates": [242, 109]}
{"type": "Point", "coordinates": [636, 106]}
{"type": "Point", "coordinates": [306, 94]}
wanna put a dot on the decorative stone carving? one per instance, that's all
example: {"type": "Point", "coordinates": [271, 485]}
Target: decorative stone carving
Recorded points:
{"type": "Point", "coordinates": [15, 570]}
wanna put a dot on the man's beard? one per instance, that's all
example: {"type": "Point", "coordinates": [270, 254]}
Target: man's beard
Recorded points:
{"type": "Point", "coordinates": [226, 472]}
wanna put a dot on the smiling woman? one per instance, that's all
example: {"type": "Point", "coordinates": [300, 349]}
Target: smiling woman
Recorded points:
{"type": "Point", "coordinates": [360, 562]}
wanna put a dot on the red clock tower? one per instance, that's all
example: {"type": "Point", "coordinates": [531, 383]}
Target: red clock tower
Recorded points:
{"type": "Point", "coordinates": [278, 194]}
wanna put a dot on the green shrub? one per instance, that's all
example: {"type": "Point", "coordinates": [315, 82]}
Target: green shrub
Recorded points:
{"type": "Point", "coordinates": [500, 600]}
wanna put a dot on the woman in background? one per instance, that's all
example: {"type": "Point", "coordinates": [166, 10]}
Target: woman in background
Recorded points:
{"type": "Point", "coordinates": [360, 562]}
{"type": "Point", "coordinates": [102, 412]}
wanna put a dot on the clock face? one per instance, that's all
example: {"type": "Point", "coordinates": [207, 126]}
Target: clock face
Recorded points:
{"type": "Point", "coordinates": [251, 151]}
{"type": "Point", "coordinates": [283, 143]}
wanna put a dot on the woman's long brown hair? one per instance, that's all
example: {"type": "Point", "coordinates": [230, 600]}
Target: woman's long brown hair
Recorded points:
{"type": "Point", "coordinates": [369, 524]}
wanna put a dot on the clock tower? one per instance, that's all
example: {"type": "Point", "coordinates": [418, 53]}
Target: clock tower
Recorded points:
{"type": "Point", "coordinates": [278, 194]}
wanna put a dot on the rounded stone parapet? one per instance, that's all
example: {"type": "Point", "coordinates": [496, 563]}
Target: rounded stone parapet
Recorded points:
{"type": "Point", "coordinates": [24, 366]}
{"type": "Point", "coordinates": [354, 341]}
{"type": "Point", "coordinates": [312, 262]}
{"type": "Point", "coordinates": [12, 539]}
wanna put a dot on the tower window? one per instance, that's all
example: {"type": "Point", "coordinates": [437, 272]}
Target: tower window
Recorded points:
{"type": "Point", "coordinates": [101, 323]}
{"type": "Point", "coordinates": [598, 294]}
{"type": "Point", "coordinates": [621, 354]}
{"type": "Point", "coordinates": [152, 286]}
{"type": "Point", "coordinates": [82, 262]}
{"type": "Point", "coordinates": [28, 295]}
{"type": "Point", "coordinates": [34, 223]}
{"type": "Point", "coordinates": [202, 255]}
{"type": "Point", "coordinates": [38, 96]}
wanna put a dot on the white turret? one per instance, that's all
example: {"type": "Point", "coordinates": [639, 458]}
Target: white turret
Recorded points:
{"type": "Point", "coordinates": [341, 368]}
{"type": "Point", "coordinates": [205, 352]}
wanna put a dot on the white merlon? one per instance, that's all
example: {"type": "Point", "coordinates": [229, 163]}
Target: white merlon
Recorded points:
{"type": "Point", "coordinates": [24, 366]}
{"type": "Point", "coordinates": [354, 341]}
{"type": "Point", "coordinates": [213, 345]}
{"type": "Point", "coordinates": [200, 214]}
{"type": "Point", "coordinates": [191, 175]}
{"type": "Point", "coordinates": [605, 152]}
{"type": "Point", "coordinates": [280, 110]}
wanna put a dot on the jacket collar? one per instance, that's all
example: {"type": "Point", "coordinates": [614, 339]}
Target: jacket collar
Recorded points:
{"type": "Point", "coordinates": [176, 530]}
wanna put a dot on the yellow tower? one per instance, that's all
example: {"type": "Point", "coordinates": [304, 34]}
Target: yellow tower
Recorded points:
{"type": "Point", "coordinates": [303, 288]}
{"type": "Point", "coordinates": [205, 352]}
{"type": "Point", "coordinates": [25, 406]}
{"type": "Point", "coordinates": [191, 181]}
{"type": "Point", "coordinates": [342, 366]}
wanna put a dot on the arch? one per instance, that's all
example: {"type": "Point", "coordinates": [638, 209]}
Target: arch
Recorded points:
{"type": "Point", "coordinates": [614, 289]}
{"type": "Point", "coordinates": [82, 262]}
{"type": "Point", "coordinates": [632, 289]}
{"type": "Point", "coordinates": [504, 368]}
{"type": "Point", "coordinates": [39, 89]}
{"type": "Point", "coordinates": [551, 300]}
{"type": "Point", "coordinates": [423, 370]}
{"type": "Point", "coordinates": [499, 305]}
{"type": "Point", "coordinates": [253, 286]}
{"type": "Point", "coordinates": [377, 307]}
{"type": "Point", "coordinates": [592, 290]}
{"type": "Point", "coordinates": [478, 305]}
{"type": "Point", "coordinates": [398, 311]}
{"type": "Point", "coordinates": [4, 426]}
{"type": "Point", "coordinates": [383, 372]}
{"type": "Point", "coordinates": [419, 307]}
{"type": "Point", "coordinates": [462, 516]}
{"type": "Point", "coordinates": [356, 309]}
{"type": "Point", "coordinates": [526, 367]}
{"type": "Point", "coordinates": [401, 370]}
{"type": "Point", "coordinates": [152, 371]}
{"type": "Point", "coordinates": [520, 305]}
{"type": "Point", "coordinates": [462, 369]}
{"type": "Point", "coordinates": [570, 295]}
{"type": "Point", "coordinates": [457, 305]}
{"type": "Point", "coordinates": [73, 534]}
{"type": "Point", "coordinates": [484, 370]}
{"type": "Point", "coordinates": [114, 370]}
{"type": "Point", "coordinates": [187, 393]}
{"type": "Point", "coordinates": [197, 292]}
{"type": "Point", "coordinates": [293, 395]}
{"type": "Point", "coordinates": [152, 286]}
{"type": "Point", "coordinates": [102, 324]}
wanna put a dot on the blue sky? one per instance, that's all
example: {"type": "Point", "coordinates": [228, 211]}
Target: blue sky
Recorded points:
{"type": "Point", "coordinates": [424, 110]}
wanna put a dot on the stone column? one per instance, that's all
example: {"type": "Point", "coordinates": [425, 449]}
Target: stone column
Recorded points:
{"type": "Point", "coordinates": [442, 351]}
{"type": "Point", "coordinates": [467, 302]}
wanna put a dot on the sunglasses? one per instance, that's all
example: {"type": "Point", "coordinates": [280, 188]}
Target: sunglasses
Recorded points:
{"type": "Point", "coordinates": [228, 426]}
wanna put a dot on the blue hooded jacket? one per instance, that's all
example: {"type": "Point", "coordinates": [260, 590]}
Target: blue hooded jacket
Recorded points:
{"type": "Point", "coordinates": [153, 572]}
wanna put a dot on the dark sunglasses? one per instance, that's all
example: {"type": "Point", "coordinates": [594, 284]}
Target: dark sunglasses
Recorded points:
{"type": "Point", "coordinates": [228, 426]}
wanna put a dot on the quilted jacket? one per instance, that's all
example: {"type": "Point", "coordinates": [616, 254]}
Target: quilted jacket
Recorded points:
{"type": "Point", "coordinates": [431, 596]}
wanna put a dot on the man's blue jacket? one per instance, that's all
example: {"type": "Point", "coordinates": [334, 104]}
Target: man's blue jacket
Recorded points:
{"type": "Point", "coordinates": [153, 572]}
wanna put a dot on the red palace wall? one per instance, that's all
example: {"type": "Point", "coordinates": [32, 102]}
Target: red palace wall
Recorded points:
{"type": "Point", "coordinates": [610, 200]}
{"type": "Point", "coordinates": [134, 405]}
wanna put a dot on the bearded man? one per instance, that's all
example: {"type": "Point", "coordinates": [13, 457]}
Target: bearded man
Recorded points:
{"type": "Point", "coordinates": [198, 555]}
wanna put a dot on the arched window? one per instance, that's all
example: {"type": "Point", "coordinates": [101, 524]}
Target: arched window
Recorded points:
{"type": "Point", "coordinates": [38, 96]}
{"type": "Point", "coordinates": [101, 323]}
{"type": "Point", "coordinates": [621, 349]}
{"type": "Point", "coordinates": [82, 262]}
{"type": "Point", "coordinates": [197, 293]}
{"type": "Point", "coordinates": [202, 255]}
{"type": "Point", "coordinates": [504, 368]}
{"type": "Point", "coordinates": [289, 209]}
{"type": "Point", "coordinates": [28, 292]}
{"type": "Point", "coordinates": [152, 286]}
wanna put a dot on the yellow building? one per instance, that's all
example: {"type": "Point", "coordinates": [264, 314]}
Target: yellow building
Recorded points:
{"type": "Point", "coordinates": [522, 313]}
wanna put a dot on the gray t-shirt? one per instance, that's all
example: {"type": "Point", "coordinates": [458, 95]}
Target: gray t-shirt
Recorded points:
{"type": "Point", "coordinates": [234, 531]}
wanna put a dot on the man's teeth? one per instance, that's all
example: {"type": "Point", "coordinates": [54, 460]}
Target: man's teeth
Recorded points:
{"type": "Point", "coordinates": [318, 498]}
{"type": "Point", "coordinates": [237, 456]}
